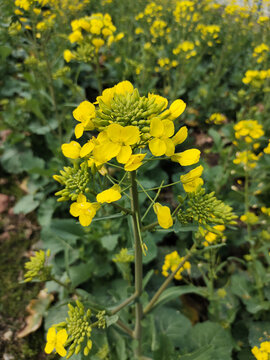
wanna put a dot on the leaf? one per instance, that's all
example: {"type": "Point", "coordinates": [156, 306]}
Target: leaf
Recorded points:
{"type": "Point", "coordinates": [81, 273]}
{"type": "Point", "coordinates": [26, 204]}
{"type": "Point", "coordinates": [165, 349]}
{"type": "Point", "coordinates": [46, 211]}
{"type": "Point", "coordinates": [147, 278]}
{"type": "Point", "coordinates": [110, 320]}
{"type": "Point", "coordinates": [109, 242]}
{"type": "Point", "coordinates": [151, 253]}
{"type": "Point", "coordinates": [36, 308]}
{"type": "Point", "coordinates": [173, 324]}
{"type": "Point", "coordinates": [176, 291]}
{"type": "Point", "coordinates": [55, 315]}
{"type": "Point", "coordinates": [208, 338]}
{"type": "Point", "coordinates": [259, 331]}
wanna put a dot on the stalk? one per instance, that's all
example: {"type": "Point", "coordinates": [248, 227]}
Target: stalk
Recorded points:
{"type": "Point", "coordinates": [138, 262]}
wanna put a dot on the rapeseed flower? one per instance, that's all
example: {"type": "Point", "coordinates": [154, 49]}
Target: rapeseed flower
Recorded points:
{"type": "Point", "coordinates": [249, 130]}
{"type": "Point", "coordinates": [172, 262]}
{"type": "Point", "coordinates": [110, 195]}
{"type": "Point", "coordinates": [56, 341]}
{"type": "Point", "coordinates": [192, 180]}
{"type": "Point", "coordinates": [263, 352]}
{"type": "Point", "coordinates": [84, 209]}
{"type": "Point", "coordinates": [164, 215]}
{"type": "Point", "coordinates": [84, 113]}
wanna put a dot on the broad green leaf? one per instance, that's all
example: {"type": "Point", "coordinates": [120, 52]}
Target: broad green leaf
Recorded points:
{"type": "Point", "coordinates": [109, 242]}
{"type": "Point", "coordinates": [176, 291]}
{"type": "Point", "coordinates": [81, 273]}
{"type": "Point", "coordinates": [26, 204]}
{"type": "Point", "coordinates": [259, 331]}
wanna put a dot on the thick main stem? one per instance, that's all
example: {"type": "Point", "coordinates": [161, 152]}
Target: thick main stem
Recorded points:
{"type": "Point", "coordinates": [138, 261]}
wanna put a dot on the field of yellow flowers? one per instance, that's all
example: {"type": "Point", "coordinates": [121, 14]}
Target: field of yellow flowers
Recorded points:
{"type": "Point", "coordinates": [135, 180]}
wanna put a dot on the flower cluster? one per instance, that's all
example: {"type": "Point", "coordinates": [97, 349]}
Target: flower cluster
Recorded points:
{"type": "Point", "coordinates": [74, 333]}
{"type": "Point", "coordinates": [246, 158]}
{"type": "Point", "coordinates": [249, 130]}
{"type": "Point", "coordinates": [172, 262]}
{"type": "Point", "coordinates": [256, 78]}
{"type": "Point", "coordinates": [213, 236]}
{"type": "Point", "coordinates": [263, 352]}
{"type": "Point", "coordinates": [249, 218]}
{"type": "Point", "coordinates": [91, 33]}
{"type": "Point", "coordinates": [37, 268]}
{"type": "Point", "coordinates": [186, 48]}
{"type": "Point", "coordinates": [126, 123]}
{"type": "Point", "coordinates": [217, 119]}
{"type": "Point", "coordinates": [260, 52]}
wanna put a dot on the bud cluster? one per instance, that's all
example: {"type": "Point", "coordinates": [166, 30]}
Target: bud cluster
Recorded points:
{"type": "Point", "coordinates": [128, 109]}
{"type": "Point", "coordinates": [206, 209]}
{"type": "Point", "coordinates": [75, 181]}
{"type": "Point", "coordinates": [36, 267]}
{"type": "Point", "coordinates": [79, 329]}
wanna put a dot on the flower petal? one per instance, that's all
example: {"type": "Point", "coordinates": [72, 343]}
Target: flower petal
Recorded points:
{"type": "Point", "coordinates": [157, 147]}
{"type": "Point", "coordinates": [87, 148]}
{"type": "Point", "coordinates": [110, 195]}
{"type": "Point", "coordinates": [156, 127]}
{"type": "Point", "coordinates": [51, 335]}
{"type": "Point", "coordinates": [170, 148]}
{"type": "Point", "coordinates": [188, 157]}
{"type": "Point", "coordinates": [85, 219]}
{"type": "Point", "coordinates": [168, 128]}
{"type": "Point", "coordinates": [124, 154]}
{"type": "Point", "coordinates": [61, 337]}
{"type": "Point", "coordinates": [49, 347]}
{"type": "Point", "coordinates": [61, 350]}
{"type": "Point", "coordinates": [79, 129]}
{"type": "Point", "coordinates": [131, 135]}
{"type": "Point", "coordinates": [180, 136]}
{"type": "Point", "coordinates": [71, 150]}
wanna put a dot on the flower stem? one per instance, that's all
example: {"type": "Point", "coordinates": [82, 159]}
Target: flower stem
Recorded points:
{"type": "Point", "coordinates": [138, 262]}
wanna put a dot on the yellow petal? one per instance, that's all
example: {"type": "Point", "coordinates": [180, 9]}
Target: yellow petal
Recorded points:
{"type": "Point", "coordinates": [81, 198]}
{"type": "Point", "coordinates": [49, 347]}
{"type": "Point", "coordinates": [160, 100]}
{"type": "Point", "coordinates": [107, 96]}
{"type": "Point", "coordinates": [131, 135]}
{"type": "Point", "coordinates": [157, 147]}
{"type": "Point", "coordinates": [124, 154]}
{"type": "Point", "coordinates": [61, 350]}
{"type": "Point", "coordinates": [192, 185]}
{"type": "Point", "coordinates": [79, 129]}
{"type": "Point", "coordinates": [84, 111]}
{"type": "Point", "coordinates": [168, 128]}
{"type": "Point", "coordinates": [71, 150]}
{"type": "Point", "coordinates": [192, 174]}
{"type": "Point", "coordinates": [176, 109]}
{"type": "Point", "coordinates": [106, 151]}
{"type": "Point", "coordinates": [74, 209]}
{"type": "Point", "coordinates": [85, 219]}
{"type": "Point", "coordinates": [110, 195]}
{"type": "Point", "coordinates": [188, 157]}
{"type": "Point", "coordinates": [170, 148]}
{"type": "Point", "coordinates": [61, 337]}
{"type": "Point", "coordinates": [156, 127]}
{"type": "Point", "coordinates": [124, 87]}
{"type": "Point", "coordinates": [180, 136]}
{"type": "Point", "coordinates": [51, 335]}
{"type": "Point", "coordinates": [134, 162]}
{"type": "Point", "coordinates": [164, 216]}
{"type": "Point", "coordinates": [114, 132]}
{"type": "Point", "coordinates": [87, 148]}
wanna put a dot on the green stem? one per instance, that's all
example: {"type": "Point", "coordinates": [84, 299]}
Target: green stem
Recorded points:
{"type": "Point", "coordinates": [154, 299]}
{"type": "Point", "coordinates": [138, 262]}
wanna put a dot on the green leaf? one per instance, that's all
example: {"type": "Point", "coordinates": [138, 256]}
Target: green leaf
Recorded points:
{"type": "Point", "coordinates": [151, 253]}
{"type": "Point", "coordinates": [109, 242]}
{"type": "Point", "coordinates": [173, 324]}
{"type": "Point", "coordinates": [110, 320]}
{"type": "Point", "coordinates": [147, 278]}
{"type": "Point", "coordinates": [259, 331]}
{"type": "Point", "coordinates": [176, 291]}
{"type": "Point", "coordinates": [46, 211]}
{"type": "Point", "coordinates": [26, 204]}
{"type": "Point", "coordinates": [178, 227]}
{"type": "Point", "coordinates": [81, 273]}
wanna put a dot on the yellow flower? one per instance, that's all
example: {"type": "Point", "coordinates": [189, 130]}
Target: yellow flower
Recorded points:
{"type": "Point", "coordinates": [121, 88]}
{"type": "Point", "coordinates": [75, 36]}
{"type": "Point", "coordinates": [68, 56]}
{"type": "Point", "coordinates": [161, 130]}
{"type": "Point", "coordinates": [267, 149]}
{"type": "Point", "coordinates": [71, 150]}
{"type": "Point", "coordinates": [116, 141]}
{"type": "Point", "coordinates": [249, 218]}
{"type": "Point", "coordinates": [248, 129]}
{"type": "Point", "coordinates": [98, 42]}
{"type": "Point", "coordinates": [84, 113]}
{"type": "Point", "coordinates": [88, 147]}
{"type": "Point", "coordinates": [56, 341]}
{"type": "Point", "coordinates": [164, 215]}
{"type": "Point", "coordinates": [180, 136]}
{"type": "Point", "coordinates": [211, 237]}
{"type": "Point", "coordinates": [187, 157]}
{"type": "Point", "coordinates": [176, 109]}
{"type": "Point", "coordinates": [246, 158]}
{"type": "Point", "coordinates": [159, 100]}
{"type": "Point", "coordinates": [84, 209]}
{"type": "Point", "coordinates": [192, 179]}
{"type": "Point", "coordinates": [110, 195]}
{"type": "Point", "coordinates": [134, 162]}
{"type": "Point", "coordinates": [172, 262]}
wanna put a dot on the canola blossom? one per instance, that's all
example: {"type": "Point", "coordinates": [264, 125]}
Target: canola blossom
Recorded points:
{"type": "Point", "coordinates": [56, 341]}
{"type": "Point", "coordinates": [126, 125]}
{"type": "Point", "coordinates": [172, 262]}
